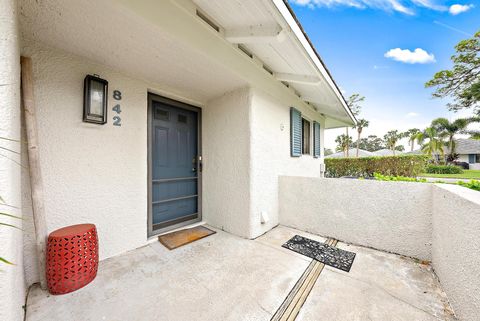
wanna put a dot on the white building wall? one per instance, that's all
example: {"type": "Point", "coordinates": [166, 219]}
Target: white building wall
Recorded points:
{"type": "Point", "coordinates": [270, 149]}
{"type": "Point", "coordinates": [226, 162]}
{"type": "Point", "coordinates": [466, 159]}
{"type": "Point", "coordinates": [12, 284]}
{"type": "Point", "coordinates": [463, 158]}
{"type": "Point", "coordinates": [456, 247]}
{"type": "Point", "coordinates": [390, 216]}
{"type": "Point", "coordinates": [98, 173]}
{"type": "Point", "coordinates": [92, 173]}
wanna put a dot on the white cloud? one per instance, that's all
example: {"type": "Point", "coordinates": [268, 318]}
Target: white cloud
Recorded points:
{"type": "Point", "coordinates": [430, 5]}
{"type": "Point", "coordinates": [386, 5]}
{"type": "Point", "coordinates": [418, 56]}
{"type": "Point", "coordinates": [403, 6]}
{"type": "Point", "coordinates": [459, 8]}
{"type": "Point", "coordinates": [412, 114]}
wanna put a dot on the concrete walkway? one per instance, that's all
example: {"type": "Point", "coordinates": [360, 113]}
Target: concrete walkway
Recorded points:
{"type": "Point", "coordinates": [224, 277]}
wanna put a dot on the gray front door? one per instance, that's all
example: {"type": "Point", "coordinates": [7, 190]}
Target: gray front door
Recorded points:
{"type": "Point", "coordinates": [174, 164]}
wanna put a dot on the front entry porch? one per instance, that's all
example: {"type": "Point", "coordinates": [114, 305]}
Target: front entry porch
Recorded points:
{"type": "Point", "coordinates": [225, 277]}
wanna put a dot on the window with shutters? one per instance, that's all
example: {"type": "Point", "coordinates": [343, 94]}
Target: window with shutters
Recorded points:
{"type": "Point", "coordinates": [305, 137]}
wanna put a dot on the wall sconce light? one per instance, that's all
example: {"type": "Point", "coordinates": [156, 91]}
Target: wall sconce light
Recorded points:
{"type": "Point", "coordinates": [95, 100]}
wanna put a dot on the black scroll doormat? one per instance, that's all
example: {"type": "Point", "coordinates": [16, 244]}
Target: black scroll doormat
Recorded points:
{"type": "Point", "coordinates": [321, 252]}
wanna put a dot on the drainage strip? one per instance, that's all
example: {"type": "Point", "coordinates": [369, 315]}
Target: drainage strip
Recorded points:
{"type": "Point", "coordinates": [292, 304]}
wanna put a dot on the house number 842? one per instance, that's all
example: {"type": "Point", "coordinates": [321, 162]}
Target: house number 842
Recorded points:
{"type": "Point", "coordinates": [117, 120]}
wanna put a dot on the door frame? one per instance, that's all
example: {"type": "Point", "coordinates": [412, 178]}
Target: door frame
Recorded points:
{"type": "Point", "coordinates": [174, 103]}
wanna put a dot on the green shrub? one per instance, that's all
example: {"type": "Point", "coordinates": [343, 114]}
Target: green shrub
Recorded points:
{"type": "Point", "coordinates": [402, 165]}
{"type": "Point", "coordinates": [380, 177]}
{"type": "Point", "coordinates": [443, 169]}
{"type": "Point", "coordinates": [473, 184]}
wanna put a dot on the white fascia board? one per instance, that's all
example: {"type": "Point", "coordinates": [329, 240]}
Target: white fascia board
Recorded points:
{"type": "Point", "coordinates": [332, 123]}
{"type": "Point", "coordinates": [292, 23]}
{"type": "Point", "coordinates": [299, 79]}
{"type": "Point", "coordinates": [255, 34]}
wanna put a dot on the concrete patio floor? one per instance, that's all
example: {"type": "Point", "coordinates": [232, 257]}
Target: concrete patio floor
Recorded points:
{"type": "Point", "coordinates": [224, 277]}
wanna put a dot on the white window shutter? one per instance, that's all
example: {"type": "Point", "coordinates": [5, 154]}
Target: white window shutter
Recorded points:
{"type": "Point", "coordinates": [316, 139]}
{"type": "Point", "coordinates": [295, 132]}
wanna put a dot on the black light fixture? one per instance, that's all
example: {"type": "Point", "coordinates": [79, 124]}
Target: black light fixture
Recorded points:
{"type": "Point", "coordinates": [95, 99]}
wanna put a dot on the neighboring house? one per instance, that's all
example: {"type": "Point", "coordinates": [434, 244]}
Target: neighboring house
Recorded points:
{"type": "Point", "coordinates": [352, 152]}
{"type": "Point", "coordinates": [364, 153]}
{"type": "Point", "coordinates": [208, 103]}
{"type": "Point", "coordinates": [386, 152]}
{"type": "Point", "coordinates": [414, 152]}
{"type": "Point", "coordinates": [468, 151]}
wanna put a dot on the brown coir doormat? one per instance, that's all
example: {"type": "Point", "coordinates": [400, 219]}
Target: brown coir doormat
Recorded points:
{"type": "Point", "coordinates": [182, 237]}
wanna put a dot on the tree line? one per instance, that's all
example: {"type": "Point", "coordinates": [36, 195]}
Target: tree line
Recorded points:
{"type": "Point", "coordinates": [461, 83]}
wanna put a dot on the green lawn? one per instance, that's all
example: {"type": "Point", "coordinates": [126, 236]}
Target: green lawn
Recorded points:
{"type": "Point", "coordinates": [468, 174]}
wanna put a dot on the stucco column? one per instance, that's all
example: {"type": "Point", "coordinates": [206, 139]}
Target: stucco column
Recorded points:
{"type": "Point", "coordinates": [12, 285]}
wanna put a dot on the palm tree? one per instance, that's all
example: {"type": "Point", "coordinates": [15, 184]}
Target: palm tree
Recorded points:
{"type": "Point", "coordinates": [353, 103]}
{"type": "Point", "coordinates": [391, 139]}
{"type": "Point", "coordinates": [447, 129]}
{"type": "Point", "coordinates": [474, 134]}
{"type": "Point", "coordinates": [361, 124]}
{"type": "Point", "coordinates": [412, 137]}
{"type": "Point", "coordinates": [343, 142]}
{"type": "Point", "coordinates": [434, 144]}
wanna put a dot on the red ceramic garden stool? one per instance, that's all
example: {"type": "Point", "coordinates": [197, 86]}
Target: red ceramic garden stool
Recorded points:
{"type": "Point", "coordinates": [72, 258]}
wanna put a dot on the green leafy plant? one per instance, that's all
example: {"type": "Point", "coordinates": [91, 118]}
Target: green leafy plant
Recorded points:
{"type": "Point", "coordinates": [402, 165]}
{"type": "Point", "coordinates": [343, 142]}
{"type": "Point", "coordinates": [443, 169]}
{"type": "Point", "coordinates": [2, 201]}
{"type": "Point", "coordinates": [380, 177]}
{"type": "Point", "coordinates": [411, 134]}
{"type": "Point", "coordinates": [354, 103]}
{"type": "Point", "coordinates": [434, 144]}
{"type": "Point", "coordinates": [473, 184]}
{"type": "Point", "coordinates": [392, 138]}
{"type": "Point", "coordinates": [448, 129]}
{"type": "Point", "coordinates": [462, 82]}
{"type": "Point", "coordinates": [361, 124]}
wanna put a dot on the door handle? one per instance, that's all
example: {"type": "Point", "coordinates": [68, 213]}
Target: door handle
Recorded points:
{"type": "Point", "coordinates": [198, 162]}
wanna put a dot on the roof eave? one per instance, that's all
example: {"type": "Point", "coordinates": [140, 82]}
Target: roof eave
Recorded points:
{"type": "Point", "coordinates": [288, 14]}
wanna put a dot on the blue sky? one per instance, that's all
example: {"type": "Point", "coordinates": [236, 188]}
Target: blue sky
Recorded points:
{"type": "Point", "coordinates": [370, 48]}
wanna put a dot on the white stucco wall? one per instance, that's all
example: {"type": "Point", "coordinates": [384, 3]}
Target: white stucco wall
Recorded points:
{"type": "Point", "coordinates": [92, 173]}
{"type": "Point", "coordinates": [12, 284]}
{"type": "Point", "coordinates": [98, 173]}
{"type": "Point", "coordinates": [390, 216]}
{"type": "Point", "coordinates": [270, 154]}
{"type": "Point", "coordinates": [456, 247]}
{"type": "Point", "coordinates": [475, 166]}
{"type": "Point", "coordinates": [226, 162]}
{"type": "Point", "coordinates": [437, 222]}
{"type": "Point", "coordinates": [465, 158]}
